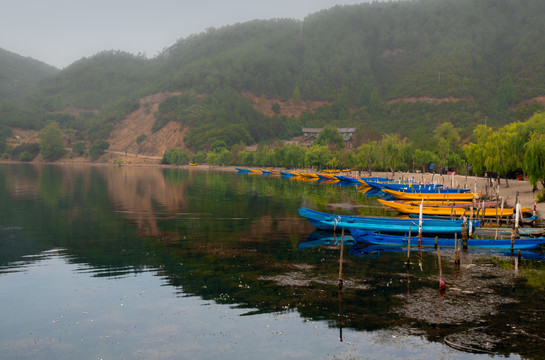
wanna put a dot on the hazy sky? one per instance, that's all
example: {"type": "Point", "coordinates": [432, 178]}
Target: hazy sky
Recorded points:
{"type": "Point", "coordinates": [59, 32]}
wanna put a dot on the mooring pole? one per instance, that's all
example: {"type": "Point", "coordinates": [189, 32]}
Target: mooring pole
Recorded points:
{"type": "Point", "coordinates": [409, 249]}
{"type": "Point", "coordinates": [464, 233]}
{"type": "Point", "coordinates": [341, 261]}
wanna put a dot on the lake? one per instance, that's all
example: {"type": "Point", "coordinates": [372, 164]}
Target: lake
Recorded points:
{"type": "Point", "coordinates": [107, 262]}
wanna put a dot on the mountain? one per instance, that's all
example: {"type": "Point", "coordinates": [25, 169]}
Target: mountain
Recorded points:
{"type": "Point", "coordinates": [17, 73]}
{"type": "Point", "coordinates": [404, 66]}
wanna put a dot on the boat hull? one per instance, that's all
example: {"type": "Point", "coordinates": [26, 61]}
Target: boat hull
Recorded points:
{"type": "Point", "coordinates": [368, 237]}
{"type": "Point", "coordinates": [447, 211]}
{"type": "Point", "coordinates": [330, 222]}
{"type": "Point", "coordinates": [467, 196]}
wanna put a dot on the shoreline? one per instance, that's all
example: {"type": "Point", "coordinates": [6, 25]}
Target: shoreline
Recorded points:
{"type": "Point", "coordinates": [526, 195]}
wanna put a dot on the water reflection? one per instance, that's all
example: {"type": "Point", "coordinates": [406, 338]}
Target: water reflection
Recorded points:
{"type": "Point", "coordinates": [237, 240]}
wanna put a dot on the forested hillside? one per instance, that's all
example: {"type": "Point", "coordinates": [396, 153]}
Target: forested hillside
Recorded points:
{"type": "Point", "coordinates": [17, 73]}
{"type": "Point", "coordinates": [403, 67]}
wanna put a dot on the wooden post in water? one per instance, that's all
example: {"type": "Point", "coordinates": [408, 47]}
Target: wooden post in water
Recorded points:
{"type": "Point", "coordinates": [482, 210]}
{"type": "Point", "coordinates": [409, 249]}
{"type": "Point", "coordinates": [455, 246]}
{"type": "Point", "coordinates": [512, 241]}
{"type": "Point", "coordinates": [464, 233]}
{"type": "Point", "coordinates": [436, 242]}
{"type": "Point", "coordinates": [341, 261]}
{"type": "Point", "coordinates": [441, 282]}
{"type": "Point", "coordinates": [470, 221]}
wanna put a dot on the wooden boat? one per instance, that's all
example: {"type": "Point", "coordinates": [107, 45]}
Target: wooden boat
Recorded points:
{"type": "Point", "coordinates": [333, 222]}
{"type": "Point", "coordinates": [369, 237]}
{"type": "Point", "coordinates": [243, 171]}
{"type": "Point", "coordinates": [414, 187]}
{"type": "Point", "coordinates": [305, 175]}
{"type": "Point", "coordinates": [327, 176]}
{"type": "Point", "coordinates": [467, 196]}
{"type": "Point", "coordinates": [326, 239]}
{"type": "Point", "coordinates": [348, 179]}
{"type": "Point", "coordinates": [375, 251]}
{"type": "Point", "coordinates": [449, 203]}
{"type": "Point", "coordinates": [447, 211]}
{"type": "Point", "coordinates": [365, 180]}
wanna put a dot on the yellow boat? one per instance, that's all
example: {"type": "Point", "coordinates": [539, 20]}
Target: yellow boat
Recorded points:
{"type": "Point", "coordinates": [306, 175]}
{"type": "Point", "coordinates": [447, 211]}
{"type": "Point", "coordinates": [467, 196]}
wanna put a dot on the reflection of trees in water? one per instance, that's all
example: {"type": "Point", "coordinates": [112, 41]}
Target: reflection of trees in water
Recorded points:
{"type": "Point", "coordinates": [142, 193]}
{"type": "Point", "coordinates": [233, 239]}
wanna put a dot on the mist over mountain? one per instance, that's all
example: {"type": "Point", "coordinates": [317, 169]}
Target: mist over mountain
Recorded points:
{"type": "Point", "coordinates": [18, 73]}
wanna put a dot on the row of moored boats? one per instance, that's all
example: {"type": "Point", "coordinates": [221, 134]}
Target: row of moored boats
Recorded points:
{"type": "Point", "coordinates": [437, 213]}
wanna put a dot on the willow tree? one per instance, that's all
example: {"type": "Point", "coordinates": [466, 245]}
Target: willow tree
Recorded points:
{"type": "Point", "coordinates": [391, 151]}
{"type": "Point", "coordinates": [476, 152]}
{"type": "Point", "coordinates": [534, 159]}
{"type": "Point", "coordinates": [447, 141]}
{"type": "Point", "coordinates": [366, 154]}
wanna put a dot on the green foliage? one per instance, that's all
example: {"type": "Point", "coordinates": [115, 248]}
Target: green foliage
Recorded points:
{"type": "Point", "coordinates": [540, 197]}
{"type": "Point", "coordinates": [392, 151]}
{"type": "Point", "coordinates": [422, 159]}
{"type": "Point", "coordinates": [318, 156]}
{"type": "Point", "coordinates": [222, 157]}
{"type": "Point", "coordinates": [51, 142]}
{"type": "Point", "coordinates": [79, 149]}
{"type": "Point", "coordinates": [175, 157]}
{"type": "Point", "coordinates": [377, 55]}
{"type": "Point", "coordinates": [18, 73]}
{"type": "Point", "coordinates": [447, 141]}
{"type": "Point", "coordinates": [98, 149]}
{"type": "Point", "coordinates": [141, 138]}
{"type": "Point", "coordinates": [296, 96]}
{"type": "Point", "coordinates": [330, 136]}
{"type": "Point", "coordinates": [25, 152]}
{"type": "Point", "coordinates": [199, 157]}
{"type": "Point", "coordinates": [534, 159]}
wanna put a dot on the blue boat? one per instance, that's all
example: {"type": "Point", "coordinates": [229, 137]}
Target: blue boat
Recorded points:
{"type": "Point", "coordinates": [331, 222]}
{"type": "Point", "coordinates": [325, 238]}
{"type": "Point", "coordinates": [244, 171]}
{"type": "Point", "coordinates": [374, 238]}
{"type": "Point", "coordinates": [374, 251]}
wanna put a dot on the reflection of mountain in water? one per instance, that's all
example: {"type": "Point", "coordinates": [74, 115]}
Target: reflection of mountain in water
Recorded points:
{"type": "Point", "coordinates": [234, 239]}
{"type": "Point", "coordinates": [140, 194]}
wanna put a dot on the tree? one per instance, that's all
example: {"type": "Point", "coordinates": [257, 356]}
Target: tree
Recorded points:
{"type": "Point", "coordinates": [422, 158]}
{"type": "Point", "coordinates": [447, 141]}
{"type": "Point", "coordinates": [506, 94]}
{"type": "Point", "coordinates": [296, 96]}
{"type": "Point", "coordinates": [79, 148]}
{"type": "Point", "coordinates": [98, 149]}
{"type": "Point", "coordinates": [317, 156]}
{"type": "Point", "coordinates": [500, 155]}
{"type": "Point", "coordinates": [365, 95]}
{"type": "Point", "coordinates": [476, 152]}
{"type": "Point", "coordinates": [275, 108]}
{"type": "Point", "coordinates": [330, 136]}
{"type": "Point", "coordinates": [51, 142]}
{"type": "Point", "coordinates": [534, 159]}
{"type": "Point", "coordinates": [391, 151]}
{"type": "Point", "coordinates": [366, 154]}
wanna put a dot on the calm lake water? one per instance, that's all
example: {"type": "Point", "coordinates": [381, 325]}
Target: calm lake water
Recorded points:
{"type": "Point", "coordinates": [103, 262]}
